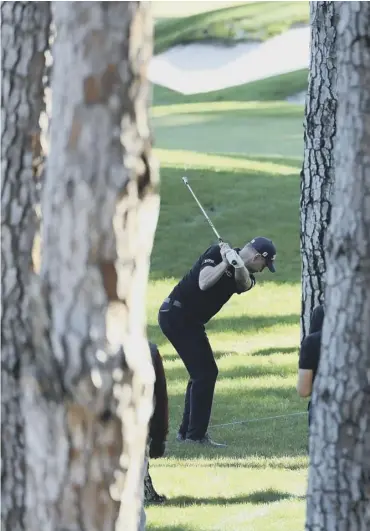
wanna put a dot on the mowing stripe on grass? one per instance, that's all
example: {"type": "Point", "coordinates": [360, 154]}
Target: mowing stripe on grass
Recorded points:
{"type": "Point", "coordinates": [176, 158]}
{"type": "Point", "coordinates": [264, 108]}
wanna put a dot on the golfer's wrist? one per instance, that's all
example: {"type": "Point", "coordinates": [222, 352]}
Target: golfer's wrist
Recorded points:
{"type": "Point", "coordinates": [237, 264]}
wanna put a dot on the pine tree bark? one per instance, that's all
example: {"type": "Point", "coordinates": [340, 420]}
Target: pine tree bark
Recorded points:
{"type": "Point", "coordinates": [91, 380]}
{"type": "Point", "coordinates": [339, 474]}
{"type": "Point", "coordinates": [24, 38]}
{"type": "Point", "coordinates": [317, 174]}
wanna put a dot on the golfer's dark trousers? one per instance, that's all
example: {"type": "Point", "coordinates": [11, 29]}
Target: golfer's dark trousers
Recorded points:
{"type": "Point", "coordinates": [190, 340]}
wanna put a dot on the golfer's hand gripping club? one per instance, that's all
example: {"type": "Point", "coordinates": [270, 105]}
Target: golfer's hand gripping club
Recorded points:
{"type": "Point", "coordinates": [186, 182]}
{"type": "Point", "coordinates": [230, 256]}
{"type": "Point", "coordinates": [234, 259]}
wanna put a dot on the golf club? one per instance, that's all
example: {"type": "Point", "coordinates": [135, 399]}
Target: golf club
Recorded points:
{"type": "Point", "coordinates": [186, 182]}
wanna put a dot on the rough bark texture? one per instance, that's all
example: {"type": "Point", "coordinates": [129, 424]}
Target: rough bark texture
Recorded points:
{"type": "Point", "coordinates": [100, 208]}
{"type": "Point", "coordinates": [339, 474]}
{"type": "Point", "coordinates": [317, 174]}
{"type": "Point", "coordinates": [24, 35]}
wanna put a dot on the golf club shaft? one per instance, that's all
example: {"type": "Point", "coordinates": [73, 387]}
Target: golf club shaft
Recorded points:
{"type": "Point", "coordinates": [185, 180]}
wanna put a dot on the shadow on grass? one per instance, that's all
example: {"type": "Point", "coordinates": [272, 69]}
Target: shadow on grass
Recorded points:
{"type": "Point", "coordinates": [238, 325]}
{"type": "Point", "coordinates": [287, 463]}
{"type": "Point", "coordinates": [251, 323]}
{"type": "Point", "coordinates": [274, 350]}
{"type": "Point", "coordinates": [258, 497]}
{"type": "Point", "coordinates": [291, 452]}
{"type": "Point", "coordinates": [259, 397]}
{"type": "Point", "coordinates": [241, 371]}
{"type": "Point", "coordinates": [220, 354]}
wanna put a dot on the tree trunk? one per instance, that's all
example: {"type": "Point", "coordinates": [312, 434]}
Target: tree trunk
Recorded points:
{"type": "Point", "coordinates": [24, 39]}
{"type": "Point", "coordinates": [317, 174]}
{"type": "Point", "coordinates": [339, 474]}
{"type": "Point", "coordinates": [99, 210]}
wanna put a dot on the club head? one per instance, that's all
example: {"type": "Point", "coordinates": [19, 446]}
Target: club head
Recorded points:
{"type": "Point", "coordinates": [185, 180]}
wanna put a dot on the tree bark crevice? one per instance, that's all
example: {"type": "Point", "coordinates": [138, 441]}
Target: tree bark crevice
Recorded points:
{"type": "Point", "coordinates": [24, 39]}
{"type": "Point", "coordinates": [338, 496]}
{"type": "Point", "coordinates": [317, 175]}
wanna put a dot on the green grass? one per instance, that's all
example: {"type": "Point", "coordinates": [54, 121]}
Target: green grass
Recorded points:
{"type": "Point", "coordinates": [243, 159]}
{"type": "Point", "coordinates": [246, 124]}
{"type": "Point", "coordinates": [240, 22]}
{"type": "Point", "coordinates": [234, 200]}
{"type": "Point", "coordinates": [184, 8]}
{"type": "Point", "coordinates": [273, 88]}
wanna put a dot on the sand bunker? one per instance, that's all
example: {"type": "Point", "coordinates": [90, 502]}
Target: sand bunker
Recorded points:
{"type": "Point", "coordinates": [203, 67]}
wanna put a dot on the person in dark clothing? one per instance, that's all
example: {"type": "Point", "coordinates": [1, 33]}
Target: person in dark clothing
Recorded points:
{"type": "Point", "coordinates": [317, 319]}
{"type": "Point", "coordinates": [218, 273]}
{"type": "Point", "coordinates": [309, 357]}
{"type": "Point", "coordinates": [158, 427]}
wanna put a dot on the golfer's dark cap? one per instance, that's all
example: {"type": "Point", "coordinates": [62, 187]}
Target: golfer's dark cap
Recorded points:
{"type": "Point", "coordinates": [267, 249]}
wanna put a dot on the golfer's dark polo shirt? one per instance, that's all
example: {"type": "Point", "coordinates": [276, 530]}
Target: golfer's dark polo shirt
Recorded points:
{"type": "Point", "coordinates": [309, 358]}
{"type": "Point", "coordinates": [309, 355]}
{"type": "Point", "coordinates": [202, 305]}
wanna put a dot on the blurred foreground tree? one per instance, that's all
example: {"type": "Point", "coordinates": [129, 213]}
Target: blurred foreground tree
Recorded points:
{"type": "Point", "coordinates": [24, 39]}
{"type": "Point", "coordinates": [91, 381]}
{"type": "Point", "coordinates": [317, 176]}
{"type": "Point", "coordinates": [338, 496]}
{"type": "Point", "coordinates": [79, 328]}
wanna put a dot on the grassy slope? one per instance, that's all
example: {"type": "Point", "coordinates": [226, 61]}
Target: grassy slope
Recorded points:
{"type": "Point", "coordinates": [242, 22]}
{"type": "Point", "coordinates": [243, 159]}
{"type": "Point", "coordinates": [245, 123]}
{"type": "Point", "coordinates": [273, 88]}
{"type": "Point", "coordinates": [183, 8]}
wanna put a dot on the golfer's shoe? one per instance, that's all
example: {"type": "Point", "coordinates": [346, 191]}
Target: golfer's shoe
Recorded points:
{"type": "Point", "coordinates": [206, 441]}
{"type": "Point", "coordinates": [180, 437]}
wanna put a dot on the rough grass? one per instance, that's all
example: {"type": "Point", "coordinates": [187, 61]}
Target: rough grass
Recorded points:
{"type": "Point", "coordinates": [243, 160]}
{"type": "Point", "coordinates": [242, 22]}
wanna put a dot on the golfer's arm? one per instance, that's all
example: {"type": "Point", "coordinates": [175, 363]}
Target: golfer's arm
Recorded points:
{"type": "Point", "coordinates": [304, 384]}
{"type": "Point", "coordinates": [210, 275]}
{"type": "Point", "coordinates": [242, 278]}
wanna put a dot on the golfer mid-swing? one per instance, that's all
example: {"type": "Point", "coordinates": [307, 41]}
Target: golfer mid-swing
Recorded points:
{"type": "Point", "coordinates": [193, 302]}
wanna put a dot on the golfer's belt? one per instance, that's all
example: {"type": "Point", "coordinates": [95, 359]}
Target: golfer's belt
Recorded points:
{"type": "Point", "coordinates": [174, 303]}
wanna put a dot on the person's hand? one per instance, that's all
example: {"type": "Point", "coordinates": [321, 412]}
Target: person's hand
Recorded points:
{"type": "Point", "coordinates": [234, 259]}
{"type": "Point", "coordinates": [224, 247]}
{"type": "Point", "coordinates": [157, 449]}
